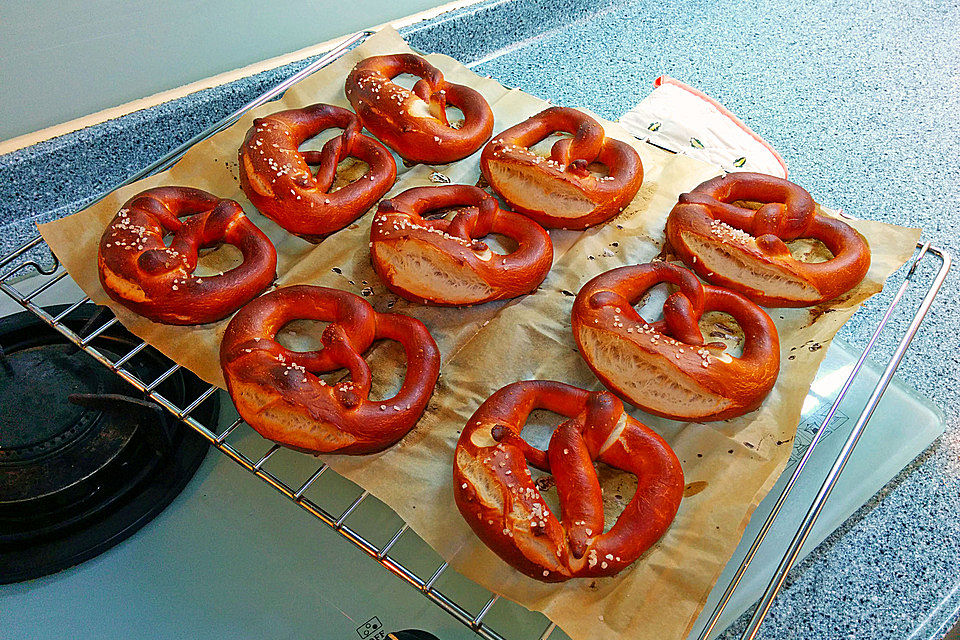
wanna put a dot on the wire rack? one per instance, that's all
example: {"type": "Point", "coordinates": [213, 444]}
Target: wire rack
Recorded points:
{"type": "Point", "coordinates": [292, 488]}
{"type": "Point", "coordinates": [23, 261]}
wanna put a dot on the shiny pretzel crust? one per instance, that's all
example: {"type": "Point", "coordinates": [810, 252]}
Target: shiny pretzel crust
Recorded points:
{"type": "Point", "coordinates": [138, 270]}
{"type": "Point", "coordinates": [414, 123]}
{"type": "Point", "coordinates": [278, 391]}
{"type": "Point", "coordinates": [275, 175]}
{"type": "Point", "coordinates": [560, 191]}
{"type": "Point", "coordinates": [744, 249]}
{"type": "Point", "coordinates": [443, 262]}
{"type": "Point", "coordinates": [496, 495]}
{"type": "Point", "coordinates": [665, 368]}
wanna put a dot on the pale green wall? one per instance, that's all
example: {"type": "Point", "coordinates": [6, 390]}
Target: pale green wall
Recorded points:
{"type": "Point", "coordinates": [60, 60]}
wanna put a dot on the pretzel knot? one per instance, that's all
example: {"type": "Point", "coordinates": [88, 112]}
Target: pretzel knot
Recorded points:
{"type": "Point", "coordinates": [278, 391]}
{"type": "Point", "coordinates": [276, 177]}
{"type": "Point", "coordinates": [664, 367]}
{"type": "Point", "coordinates": [414, 123]}
{"type": "Point", "coordinates": [138, 270]}
{"type": "Point", "coordinates": [726, 241]}
{"type": "Point", "coordinates": [561, 191]}
{"type": "Point", "coordinates": [443, 261]}
{"type": "Point", "coordinates": [497, 496]}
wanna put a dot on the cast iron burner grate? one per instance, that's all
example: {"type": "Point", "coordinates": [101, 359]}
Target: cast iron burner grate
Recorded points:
{"type": "Point", "coordinates": [83, 464]}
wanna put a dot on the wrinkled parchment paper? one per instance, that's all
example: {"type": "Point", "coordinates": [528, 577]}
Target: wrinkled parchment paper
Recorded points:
{"type": "Point", "coordinates": [729, 466]}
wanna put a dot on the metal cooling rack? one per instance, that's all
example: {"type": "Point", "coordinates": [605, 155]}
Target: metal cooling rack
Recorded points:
{"type": "Point", "coordinates": [20, 263]}
{"type": "Point", "coordinates": [292, 488]}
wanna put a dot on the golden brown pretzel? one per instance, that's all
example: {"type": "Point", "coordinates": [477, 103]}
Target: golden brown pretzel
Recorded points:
{"type": "Point", "coordinates": [138, 270]}
{"type": "Point", "coordinates": [414, 123]}
{"type": "Point", "coordinates": [496, 495]}
{"type": "Point", "coordinates": [277, 390]}
{"type": "Point", "coordinates": [443, 261]}
{"type": "Point", "coordinates": [742, 248]}
{"type": "Point", "coordinates": [560, 191]}
{"type": "Point", "coordinates": [664, 367]}
{"type": "Point", "coordinates": [276, 175]}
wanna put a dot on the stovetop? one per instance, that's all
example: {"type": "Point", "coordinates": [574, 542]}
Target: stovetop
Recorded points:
{"type": "Point", "coordinates": [229, 558]}
{"type": "Point", "coordinates": [84, 461]}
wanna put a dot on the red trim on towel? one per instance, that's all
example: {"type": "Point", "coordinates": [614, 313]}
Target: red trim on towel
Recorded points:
{"type": "Point", "coordinates": [722, 109]}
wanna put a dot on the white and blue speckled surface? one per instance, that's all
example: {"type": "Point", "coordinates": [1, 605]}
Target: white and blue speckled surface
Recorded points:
{"type": "Point", "coordinates": [861, 99]}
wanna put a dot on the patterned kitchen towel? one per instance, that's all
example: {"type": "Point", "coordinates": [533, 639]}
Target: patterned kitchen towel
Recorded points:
{"type": "Point", "coordinates": [680, 118]}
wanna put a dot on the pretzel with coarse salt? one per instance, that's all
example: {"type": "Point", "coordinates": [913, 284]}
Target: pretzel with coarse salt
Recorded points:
{"type": "Point", "coordinates": [280, 394]}
{"type": "Point", "coordinates": [140, 271]}
{"type": "Point", "coordinates": [561, 191]}
{"type": "Point", "coordinates": [444, 262]}
{"type": "Point", "coordinates": [275, 175]}
{"type": "Point", "coordinates": [716, 232]}
{"type": "Point", "coordinates": [499, 499]}
{"type": "Point", "coordinates": [664, 367]}
{"type": "Point", "coordinates": [414, 123]}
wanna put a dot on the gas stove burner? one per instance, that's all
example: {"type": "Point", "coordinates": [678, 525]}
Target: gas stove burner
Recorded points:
{"type": "Point", "coordinates": [85, 460]}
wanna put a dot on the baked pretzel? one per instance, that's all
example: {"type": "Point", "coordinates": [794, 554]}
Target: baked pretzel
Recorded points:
{"type": "Point", "coordinates": [497, 496]}
{"type": "Point", "coordinates": [664, 367]}
{"type": "Point", "coordinates": [138, 270]}
{"type": "Point", "coordinates": [729, 243]}
{"type": "Point", "coordinates": [443, 261]}
{"type": "Point", "coordinates": [560, 191]}
{"type": "Point", "coordinates": [414, 123]}
{"type": "Point", "coordinates": [278, 391]}
{"type": "Point", "coordinates": [277, 179]}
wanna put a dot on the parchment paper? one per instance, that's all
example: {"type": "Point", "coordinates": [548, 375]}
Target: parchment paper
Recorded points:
{"type": "Point", "coordinates": [729, 466]}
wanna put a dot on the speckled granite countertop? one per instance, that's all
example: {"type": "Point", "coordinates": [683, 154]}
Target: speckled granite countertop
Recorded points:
{"type": "Point", "coordinates": [860, 98]}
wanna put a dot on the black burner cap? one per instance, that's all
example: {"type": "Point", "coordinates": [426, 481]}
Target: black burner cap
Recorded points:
{"type": "Point", "coordinates": [85, 461]}
{"type": "Point", "coordinates": [35, 417]}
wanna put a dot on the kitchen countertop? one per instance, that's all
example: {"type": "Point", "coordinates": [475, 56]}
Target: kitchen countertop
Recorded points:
{"type": "Point", "coordinates": [860, 100]}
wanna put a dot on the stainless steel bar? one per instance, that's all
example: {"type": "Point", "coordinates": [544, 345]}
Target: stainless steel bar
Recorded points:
{"type": "Point", "coordinates": [382, 553]}
{"type": "Point", "coordinates": [13, 293]}
{"type": "Point", "coordinates": [76, 305]}
{"type": "Point", "coordinates": [436, 576]}
{"type": "Point", "coordinates": [306, 485]}
{"type": "Point", "coordinates": [200, 428]}
{"type": "Point", "coordinates": [365, 545]}
{"type": "Point", "coordinates": [356, 503]}
{"type": "Point", "coordinates": [130, 355]}
{"type": "Point", "coordinates": [272, 450]}
{"type": "Point", "coordinates": [821, 431]}
{"type": "Point", "coordinates": [407, 575]}
{"type": "Point", "coordinates": [93, 336]}
{"type": "Point", "coordinates": [30, 263]}
{"type": "Point", "coordinates": [235, 453]}
{"type": "Point", "coordinates": [486, 609]}
{"type": "Point", "coordinates": [793, 550]}
{"type": "Point", "coordinates": [12, 272]}
{"type": "Point", "coordinates": [458, 612]}
{"type": "Point", "coordinates": [164, 402]}
{"type": "Point", "coordinates": [198, 401]}
{"type": "Point", "coordinates": [46, 285]}
{"type": "Point", "coordinates": [226, 432]}
{"type": "Point", "coordinates": [273, 480]}
{"type": "Point", "coordinates": [163, 376]}
{"type": "Point", "coordinates": [325, 516]}
{"type": "Point", "coordinates": [29, 244]}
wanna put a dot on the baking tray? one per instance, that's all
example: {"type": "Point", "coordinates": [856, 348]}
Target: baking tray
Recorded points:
{"type": "Point", "coordinates": [479, 617]}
